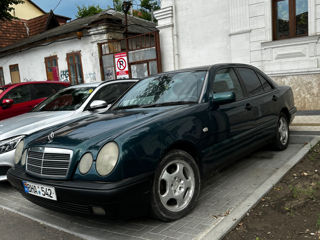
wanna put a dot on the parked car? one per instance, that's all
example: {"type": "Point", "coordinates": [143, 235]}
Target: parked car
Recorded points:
{"type": "Point", "coordinates": [19, 98]}
{"type": "Point", "coordinates": [70, 103]}
{"type": "Point", "coordinates": [155, 143]}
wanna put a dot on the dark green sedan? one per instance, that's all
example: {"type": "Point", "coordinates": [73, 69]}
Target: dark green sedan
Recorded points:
{"type": "Point", "coordinates": [153, 148]}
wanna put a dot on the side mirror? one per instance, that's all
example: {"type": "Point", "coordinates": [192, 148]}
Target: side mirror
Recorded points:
{"type": "Point", "coordinates": [223, 98]}
{"type": "Point", "coordinates": [7, 102]}
{"type": "Point", "coordinates": [98, 104]}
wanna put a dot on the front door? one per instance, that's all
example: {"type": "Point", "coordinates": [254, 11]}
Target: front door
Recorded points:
{"type": "Point", "coordinates": [231, 124]}
{"type": "Point", "coordinates": [22, 103]}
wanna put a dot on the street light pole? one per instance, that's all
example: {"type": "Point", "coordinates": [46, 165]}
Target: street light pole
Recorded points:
{"type": "Point", "coordinates": [125, 8]}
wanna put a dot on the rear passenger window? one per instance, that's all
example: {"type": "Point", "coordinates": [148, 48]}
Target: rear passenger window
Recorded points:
{"type": "Point", "coordinates": [42, 91]}
{"type": "Point", "coordinates": [251, 81]}
{"type": "Point", "coordinates": [265, 84]}
{"type": "Point", "coordinates": [226, 80]}
{"type": "Point", "coordinates": [58, 87]}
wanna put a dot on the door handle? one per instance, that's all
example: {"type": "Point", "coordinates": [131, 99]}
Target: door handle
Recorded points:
{"type": "Point", "coordinates": [248, 106]}
{"type": "Point", "coordinates": [274, 98]}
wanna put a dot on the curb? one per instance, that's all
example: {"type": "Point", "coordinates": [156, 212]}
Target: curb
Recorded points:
{"type": "Point", "coordinates": [219, 230]}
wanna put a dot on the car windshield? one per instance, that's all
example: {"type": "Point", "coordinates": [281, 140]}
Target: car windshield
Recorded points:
{"type": "Point", "coordinates": [163, 90]}
{"type": "Point", "coordinates": [65, 100]}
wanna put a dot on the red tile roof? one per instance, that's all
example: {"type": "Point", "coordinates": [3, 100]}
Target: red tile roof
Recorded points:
{"type": "Point", "coordinates": [38, 24]}
{"type": "Point", "coordinates": [17, 29]}
{"type": "Point", "coordinates": [12, 31]}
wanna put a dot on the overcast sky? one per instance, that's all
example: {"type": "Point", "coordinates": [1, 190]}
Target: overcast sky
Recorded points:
{"type": "Point", "coordinates": [68, 8]}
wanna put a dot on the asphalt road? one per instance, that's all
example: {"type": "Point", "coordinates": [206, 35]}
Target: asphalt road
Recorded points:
{"type": "Point", "coordinates": [220, 196]}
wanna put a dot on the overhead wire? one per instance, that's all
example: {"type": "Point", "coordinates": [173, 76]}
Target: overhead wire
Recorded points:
{"type": "Point", "coordinates": [57, 5]}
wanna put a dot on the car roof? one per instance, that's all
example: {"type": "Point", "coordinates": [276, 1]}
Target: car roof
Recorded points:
{"type": "Point", "coordinates": [33, 82]}
{"type": "Point", "coordinates": [208, 67]}
{"type": "Point", "coordinates": [96, 84]}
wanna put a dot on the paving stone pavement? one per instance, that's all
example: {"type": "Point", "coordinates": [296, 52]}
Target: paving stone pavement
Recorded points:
{"type": "Point", "coordinates": [220, 196]}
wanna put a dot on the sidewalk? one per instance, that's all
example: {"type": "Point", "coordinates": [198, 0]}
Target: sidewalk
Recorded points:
{"type": "Point", "coordinates": [306, 121]}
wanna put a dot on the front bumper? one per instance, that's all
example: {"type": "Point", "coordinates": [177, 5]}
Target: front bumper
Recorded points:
{"type": "Point", "coordinates": [82, 197]}
{"type": "Point", "coordinates": [6, 162]}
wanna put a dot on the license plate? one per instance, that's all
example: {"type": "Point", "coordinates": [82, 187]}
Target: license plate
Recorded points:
{"type": "Point", "coordinates": [39, 190]}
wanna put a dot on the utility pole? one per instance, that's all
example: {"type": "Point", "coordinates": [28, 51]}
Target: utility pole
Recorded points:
{"type": "Point", "coordinates": [125, 8]}
{"type": "Point", "coordinates": [126, 5]}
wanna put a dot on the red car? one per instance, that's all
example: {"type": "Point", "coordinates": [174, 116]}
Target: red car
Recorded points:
{"type": "Point", "coordinates": [20, 98]}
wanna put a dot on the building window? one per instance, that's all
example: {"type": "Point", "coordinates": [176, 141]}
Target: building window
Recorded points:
{"type": "Point", "coordinates": [290, 18]}
{"type": "Point", "coordinates": [52, 68]}
{"type": "Point", "coordinates": [14, 73]}
{"type": "Point", "coordinates": [1, 77]}
{"type": "Point", "coordinates": [75, 68]}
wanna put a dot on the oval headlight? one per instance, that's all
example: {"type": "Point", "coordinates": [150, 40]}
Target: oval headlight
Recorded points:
{"type": "Point", "coordinates": [85, 163]}
{"type": "Point", "coordinates": [107, 158]}
{"type": "Point", "coordinates": [18, 152]}
{"type": "Point", "coordinates": [24, 157]}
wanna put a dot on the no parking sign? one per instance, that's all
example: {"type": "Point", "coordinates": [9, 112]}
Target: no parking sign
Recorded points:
{"type": "Point", "coordinates": [121, 62]}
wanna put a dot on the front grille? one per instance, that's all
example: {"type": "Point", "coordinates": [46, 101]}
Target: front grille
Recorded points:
{"type": "Point", "coordinates": [48, 162]}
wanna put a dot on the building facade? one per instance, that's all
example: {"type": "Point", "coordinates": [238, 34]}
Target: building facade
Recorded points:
{"type": "Point", "coordinates": [82, 51]}
{"type": "Point", "coordinates": [27, 10]}
{"type": "Point", "coordinates": [281, 37]}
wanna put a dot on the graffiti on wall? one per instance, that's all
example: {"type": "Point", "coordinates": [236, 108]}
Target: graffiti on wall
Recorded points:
{"type": "Point", "coordinates": [64, 76]}
{"type": "Point", "coordinates": [90, 77]}
{"type": "Point", "coordinates": [27, 79]}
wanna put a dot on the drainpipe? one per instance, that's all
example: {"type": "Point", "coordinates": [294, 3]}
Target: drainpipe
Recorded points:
{"type": "Point", "coordinates": [175, 38]}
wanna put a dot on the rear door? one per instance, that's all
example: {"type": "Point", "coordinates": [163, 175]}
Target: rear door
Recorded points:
{"type": "Point", "coordinates": [261, 99]}
{"type": "Point", "coordinates": [232, 124]}
{"type": "Point", "coordinates": [21, 96]}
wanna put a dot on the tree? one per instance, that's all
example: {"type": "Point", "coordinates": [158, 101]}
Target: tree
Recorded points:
{"type": "Point", "coordinates": [148, 7]}
{"type": "Point", "coordinates": [144, 10]}
{"type": "Point", "coordinates": [87, 11]}
{"type": "Point", "coordinates": [117, 5]}
{"type": "Point", "coordinates": [6, 6]}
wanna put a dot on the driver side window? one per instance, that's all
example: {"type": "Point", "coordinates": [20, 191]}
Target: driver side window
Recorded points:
{"type": "Point", "coordinates": [225, 80]}
{"type": "Point", "coordinates": [19, 94]}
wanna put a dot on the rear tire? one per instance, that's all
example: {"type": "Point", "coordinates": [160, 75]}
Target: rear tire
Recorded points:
{"type": "Point", "coordinates": [176, 186]}
{"type": "Point", "coordinates": [281, 140]}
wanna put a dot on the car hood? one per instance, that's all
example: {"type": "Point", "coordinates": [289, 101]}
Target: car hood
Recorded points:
{"type": "Point", "coordinates": [99, 128]}
{"type": "Point", "coordinates": [28, 123]}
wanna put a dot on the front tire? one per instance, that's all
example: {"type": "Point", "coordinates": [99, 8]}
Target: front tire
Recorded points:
{"type": "Point", "coordinates": [176, 186]}
{"type": "Point", "coordinates": [282, 133]}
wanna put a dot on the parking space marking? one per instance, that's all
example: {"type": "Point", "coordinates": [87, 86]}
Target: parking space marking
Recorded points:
{"type": "Point", "coordinates": [220, 198]}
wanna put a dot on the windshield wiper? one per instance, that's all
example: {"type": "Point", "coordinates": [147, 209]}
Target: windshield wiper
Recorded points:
{"type": "Point", "coordinates": [167, 104]}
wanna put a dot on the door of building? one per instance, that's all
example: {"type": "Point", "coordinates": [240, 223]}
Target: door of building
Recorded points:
{"type": "Point", "coordinates": [14, 73]}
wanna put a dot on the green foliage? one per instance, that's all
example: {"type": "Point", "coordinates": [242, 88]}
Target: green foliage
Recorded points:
{"type": "Point", "coordinates": [6, 6]}
{"type": "Point", "coordinates": [117, 5]}
{"type": "Point", "coordinates": [145, 10]}
{"type": "Point", "coordinates": [88, 11]}
{"type": "Point", "coordinates": [150, 5]}
{"type": "Point", "coordinates": [302, 192]}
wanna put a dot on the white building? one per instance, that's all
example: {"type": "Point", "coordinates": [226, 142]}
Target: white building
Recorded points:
{"type": "Point", "coordinates": [281, 37]}
{"type": "Point", "coordinates": [80, 51]}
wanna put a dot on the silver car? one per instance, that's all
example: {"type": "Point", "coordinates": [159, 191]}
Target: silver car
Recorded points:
{"type": "Point", "coordinates": [69, 103]}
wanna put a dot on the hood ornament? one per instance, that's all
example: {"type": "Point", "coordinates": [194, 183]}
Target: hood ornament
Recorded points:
{"type": "Point", "coordinates": [50, 137]}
